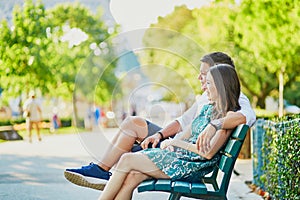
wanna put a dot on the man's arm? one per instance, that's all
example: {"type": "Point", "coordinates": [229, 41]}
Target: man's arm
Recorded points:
{"type": "Point", "coordinates": [171, 129]}
{"type": "Point", "coordinates": [244, 116]}
{"type": "Point", "coordinates": [179, 124]}
{"type": "Point", "coordinates": [229, 122]}
{"type": "Point", "coordinates": [40, 111]}
{"type": "Point", "coordinates": [247, 110]}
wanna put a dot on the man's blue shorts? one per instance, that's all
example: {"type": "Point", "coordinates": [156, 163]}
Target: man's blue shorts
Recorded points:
{"type": "Point", "coordinates": [152, 129]}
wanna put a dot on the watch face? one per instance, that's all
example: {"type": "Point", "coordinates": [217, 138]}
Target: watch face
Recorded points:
{"type": "Point", "coordinates": [218, 124]}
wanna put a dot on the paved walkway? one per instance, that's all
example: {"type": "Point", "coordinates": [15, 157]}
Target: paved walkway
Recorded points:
{"type": "Point", "coordinates": [34, 171]}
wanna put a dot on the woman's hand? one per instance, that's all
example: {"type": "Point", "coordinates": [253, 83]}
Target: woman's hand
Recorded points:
{"type": "Point", "coordinates": [203, 140]}
{"type": "Point", "coordinates": [167, 144]}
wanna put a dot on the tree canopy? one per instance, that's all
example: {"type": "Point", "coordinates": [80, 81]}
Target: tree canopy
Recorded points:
{"type": "Point", "coordinates": [46, 49]}
{"type": "Point", "coordinates": [261, 36]}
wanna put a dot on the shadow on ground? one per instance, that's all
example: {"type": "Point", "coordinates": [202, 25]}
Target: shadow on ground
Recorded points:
{"type": "Point", "coordinates": [38, 177]}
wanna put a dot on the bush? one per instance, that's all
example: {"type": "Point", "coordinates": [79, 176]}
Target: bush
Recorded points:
{"type": "Point", "coordinates": [66, 122]}
{"type": "Point", "coordinates": [8, 122]}
{"type": "Point", "coordinates": [281, 155]}
{"type": "Point", "coordinates": [261, 113]}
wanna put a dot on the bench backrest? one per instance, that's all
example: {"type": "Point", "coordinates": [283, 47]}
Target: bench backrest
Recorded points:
{"type": "Point", "coordinates": [229, 156]}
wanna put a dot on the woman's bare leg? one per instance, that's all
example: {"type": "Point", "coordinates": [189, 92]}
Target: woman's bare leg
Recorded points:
{"type": "Point", "coordinates": [131, 129]}
{"type": "Point", "coordinates": [133, 179]}
{"type": "Point", "coordinates": [130, 162]}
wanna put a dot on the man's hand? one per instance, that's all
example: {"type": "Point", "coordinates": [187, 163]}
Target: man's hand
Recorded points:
{"type": "Point", "coordinates": [154, 139]}
{"type": "Point", "coordinates": [203, 140]}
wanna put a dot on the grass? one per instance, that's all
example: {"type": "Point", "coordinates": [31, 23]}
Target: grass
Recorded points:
{"type": "Point", "coordinates": [46, 131]}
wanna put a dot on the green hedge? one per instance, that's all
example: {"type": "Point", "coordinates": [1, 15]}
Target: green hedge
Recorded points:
{"type": "Point", "coordinates": [65, 122]}
{"type": "Point", "coordinates": [281, 157]}
{"type": "Point", "coordinates": [8, 122]}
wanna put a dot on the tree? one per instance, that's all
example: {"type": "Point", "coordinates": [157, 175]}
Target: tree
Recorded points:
{"type": "Point", "coordinates": [39, 51]}
{"type": "Point", "coordinates": [23, 49]}
{"type": "Point", "coordinates": [267, 41]}
{"type": "Point", "coordinates": [80, 67]}
{"type": "Point", "coordinates": [171, 56]}
{"type": "Point", "coordinates": [261, 36]}
{"type": "Point", "coordinates": [78, 59]}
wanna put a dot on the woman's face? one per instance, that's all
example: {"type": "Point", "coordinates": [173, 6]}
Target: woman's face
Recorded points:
{"type": "Point", "coordinates": [204, 67]}
{"type": "Point", "coordinates": [211, 88]}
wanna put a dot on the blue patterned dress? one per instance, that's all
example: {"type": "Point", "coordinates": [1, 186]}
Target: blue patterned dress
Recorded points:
{"type": "Point", "coordinates": [183, 164]}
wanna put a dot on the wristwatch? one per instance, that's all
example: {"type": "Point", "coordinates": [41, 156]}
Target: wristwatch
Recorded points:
{"type": "Point", "coordinates": [161, 135]}
{"type": "Point", "coordinates": [217, 124]}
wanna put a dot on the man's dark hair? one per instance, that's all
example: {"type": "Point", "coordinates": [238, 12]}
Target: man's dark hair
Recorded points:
{"type": "Point", "coordinates": [217, 58]}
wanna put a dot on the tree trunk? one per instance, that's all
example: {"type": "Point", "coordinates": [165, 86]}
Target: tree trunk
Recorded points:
{"type": "Point", "coordinates": [281, 85]}
{"type": "Point", "coordinates": [75, 112]}
{"type": "Point", "coordinates": [261, 101]}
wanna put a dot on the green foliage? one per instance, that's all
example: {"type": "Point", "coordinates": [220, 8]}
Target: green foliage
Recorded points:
{"type": "Point", "coordinates": [281, 158]}
{"type": "Point", "coordinates": [23, 49]}
{"type": "Point", "coordinates": [267, 40]}
{"type": "Point", "coordinates": [261, 36]}
{"type": "Point", "coordinates": [11, 122]}
{"type": "Point", "coordinates": [261, 113]}
{"type": "Point", "coordinates": [36, 54]}
{"type": "Point", "coordinates": [80, 60]}
{"type": "Point", "coordinates": [172, 57]}
{"type": "Point", "coordinates": [66, 122]}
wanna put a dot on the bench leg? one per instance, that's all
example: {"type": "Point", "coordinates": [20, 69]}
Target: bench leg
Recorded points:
{"type": "Point", "coordinates": [174, 196]}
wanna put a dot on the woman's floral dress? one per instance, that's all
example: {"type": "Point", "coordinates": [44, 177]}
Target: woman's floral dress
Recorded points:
{"type": "Point", "coordinates": [182, 164]}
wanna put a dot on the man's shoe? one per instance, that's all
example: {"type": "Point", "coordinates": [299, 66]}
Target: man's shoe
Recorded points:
{"type": "Point", "coordinates": [91, 176]}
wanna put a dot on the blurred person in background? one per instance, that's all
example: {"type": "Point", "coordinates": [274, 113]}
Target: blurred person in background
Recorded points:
{"type": "Point", "coordinates": [33, 114]}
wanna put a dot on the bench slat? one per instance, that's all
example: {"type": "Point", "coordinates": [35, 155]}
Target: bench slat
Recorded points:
{"type": "Point", "coordinates": [198, 188]}
{"type": "Point", "coordinates": [240, 132]}
{"type": "Point", "coordinates": [163, 185]}
{"type": "Point", "coordinates": [225, 163]}
{"type": "Point", "coordinates": [182, 186]}
{"type": "Point", "coordinates": [147, 185]}
{"type": "Point", "coordinates": [233, 147]}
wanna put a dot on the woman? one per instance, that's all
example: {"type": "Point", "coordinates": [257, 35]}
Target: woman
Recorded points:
{"type": "Point", "coordinates": [179, 158]}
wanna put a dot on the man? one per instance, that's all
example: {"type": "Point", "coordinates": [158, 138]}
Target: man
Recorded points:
{"type": "Point", "coordinates": [33, 114]}
{"type": "Point", "coordinates": [148, 134]}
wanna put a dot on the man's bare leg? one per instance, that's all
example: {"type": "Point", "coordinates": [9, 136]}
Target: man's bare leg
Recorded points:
{"type": "Point", "coordinates": [132, 129]}
{"type": "Point", "coordinates": [37, 124]}
{"type": "Point", "coordinates": [29, 128]}
{"type": "Point", "coordinates": [96, 175]}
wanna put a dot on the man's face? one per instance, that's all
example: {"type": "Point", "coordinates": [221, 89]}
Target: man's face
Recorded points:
{"type": "Point", "coordinates": [204, 68]}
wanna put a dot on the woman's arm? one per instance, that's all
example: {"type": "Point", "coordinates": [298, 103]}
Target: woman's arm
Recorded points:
{"type": "Point", "coordinates": [184, 134]}
{"type": "Point", "coordinates": [216, 143]}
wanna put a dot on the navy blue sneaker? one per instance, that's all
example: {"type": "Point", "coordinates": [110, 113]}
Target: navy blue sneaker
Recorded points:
{"type": "Point", "coordinates": [91, 176]}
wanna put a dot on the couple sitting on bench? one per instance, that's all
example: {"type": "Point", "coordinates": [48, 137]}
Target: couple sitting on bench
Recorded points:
{"type": "Point", "coordinates": [191, 154]}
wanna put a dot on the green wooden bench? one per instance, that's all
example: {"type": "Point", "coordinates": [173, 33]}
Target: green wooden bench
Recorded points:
{"type": "Point", "coordinates": [218, 181]}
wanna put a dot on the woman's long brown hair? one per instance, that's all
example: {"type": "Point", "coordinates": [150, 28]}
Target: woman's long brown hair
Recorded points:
{"type": "Point", "coordinates": [228, 87]}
